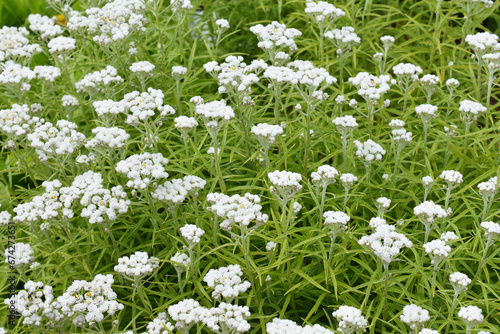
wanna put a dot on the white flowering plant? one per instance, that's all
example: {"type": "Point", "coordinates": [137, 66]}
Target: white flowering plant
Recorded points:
{"type": "Point", "coordinates": [194, 166]}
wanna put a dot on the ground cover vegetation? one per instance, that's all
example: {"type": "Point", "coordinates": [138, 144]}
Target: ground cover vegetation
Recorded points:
{"type": "Point", "coordinates": [250, 167]}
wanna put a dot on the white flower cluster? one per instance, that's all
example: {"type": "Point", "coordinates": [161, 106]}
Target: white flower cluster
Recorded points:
{"type": "Point", "coordinates": [325, 175]}
{"type": "Point", "coordinates": [414, 316]}
{"type": "Point", "coordinates": [179, 72]}
{"type": "Point", "coordinates": [345, 124]}
{"type": "Point", "coordinates": [428, 212]}
{"type": "Point", "coordinates": [112, 23]}
{"type": "Point", "coordinates": [427, 181]}
{"type": "Point", "coordinates": [5, 218]}
{"type": "Point", "coordinates": [438, 250]}
{"type": "Point", "coordinates": [427, 112]}
{"type": "Point", "coordinates": [369, 151]}
{"type": "Point", "coordinates": [482, 43]}
{"type": "Point", "coordinates": [108, 137]}
{"type": "Point", "coordinates": [491, 229]}
{"type": "Point", "coordinates": [226, 282]}
{"type": "Point", "coordinates": [142, 169]}
{"type": "Point", "coordinates": [401, 137]}
{"type": "Point", "coordinates": [451, 131]}
{"type": "Point", "coordinates": [460, 282]}
{"type": "Point", "coordinates": [280, 75]}
{"type": "Point", "coordinates": [383, 204]}
{"type": "Point", "coordinates": [322, 12]}
{"type": "Point", "coordinates": [142, 67]}
{"type": "Point", "coordinates": [396, 123]}
{"type": "Point", "coordinates": [137, 265]}
{"type": "Point", "coordinates": [271, 246]}
{"type": "Point", "coordinates": [237, 210]}
{"type": "Point", "coordinates": [406, 72]}
{"type": "Point", "coordinates": [185, 124]}
{"type": "Point", "coordinates": [99, 81]}
{"type": "Point", "coordinates": [429, 81]}
{"type": "Point", "coordinates": [343, 39]}
{"type": "Point", "coordinates": [350, 319]}
{"type": "Point", "coordinates": [194, 184]}
{"type": "Point", "coordinates": [20, 253]}
{"type": "Point", "coordinates": [348, 180]}
{"type": "Point", "coordinates": [385, 242]}
{"type": "Point", "coordinates": [44, 25]}
{"type": "Point", "coordinates": [470, 110]}
{"type": "Point", "coordinates": [215, 114]}
{"type": "Point", "coordinates": [471, 316]}
{"type": "Point", "coordinates": [376, 222]}
{"type": "Point", "coordinates": [428, 331]}
{"type": "Point", "coordinates": [336, 220]}
{"type": "Point", "coordinates": [186, 314]}
{"type": "Point", "coordinates": [371, 87]}
{"type": "Point", "coordinates": [452, 178]}
{"type": "Point", "coordinates": [448, 236]}
{"type": "Point", "coordinates": [34, 303]}
{"type": "Point", "coordinates": [234, 76]}
{"type": "Point", "coordinates": [99, 201]}
{"type": "Point", "coordinates": [492, 62]}
{"type": "Point", "coordinates": [266, 133]}
{"type": "Point", "coordinates": [275, 38]}
{"type": "Point", "coordinates": [14, 44]}
{"type": "Point", "coordinates": [90, 301]}
{"type": "Point", "coordinates": [387, 41]}
{"type": "Point", "coordinates": [61, 45]}
{"type": "Point", "coordinates": [42, 207]}
{"type": "Point", "coordinates": [172, 192]}
{"type": "Point", "coordinates": [141, 106]}
{"type": "Point", "coordinates": [17, 121]}
{"type": "Point", "coordinates": [287, 183]}
{"type": "Point", "coordinates": [452, 83]}
{"type": "Point", "coordinates": [159, 325]}
{"type": "Point", "coordinates": [487, 189]}
{"type": "Point", "coordinates": [280, 326]}
{"type": "Point", "coordinates": [192, 234]}
{"type": "Point", "coordinates": [227, 318]}
{"type": "Point", "coordinates": [179, 7]}
{"type": "Point", "coordinates": [313, 78]}
{"type": "Point", "coordinates": [16, 77]}
{"type": "Point", "coordinates": [180, 261]}
{"type": "Point", "coordinates": [69, 101]}
{"type": "Point", "coordinates": [51, 141]}
{"type": "Point", "coordinates": [222, 25]}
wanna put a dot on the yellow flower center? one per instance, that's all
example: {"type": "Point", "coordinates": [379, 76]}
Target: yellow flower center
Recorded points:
{"type": "Point", "coordinates": [102, 203]}
{"type": "Point", "coordinates": [233, 68]}
{"type": "Point", "coordinates": [143, 164]}
{"type": "Point", "coordinates": [54, 197]}
{"type": "Point", "coordinates": [242, 205]}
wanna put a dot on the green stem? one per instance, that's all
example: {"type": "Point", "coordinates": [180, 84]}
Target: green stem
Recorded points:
{"type": "Point", "coordinates": [217, 164]}
{"type": "Point", "coordinates": [433, 283]}
{"type": "Point", "coordinates": [386, 288]}
{"type": "Point", "coordinates": [485, 252]}
{"type": "Point", "coordinates": [308, 137]}
{"type": "Point", "coordinates": [346, 197]}
{"type": "Point", "coordinates": [322, 207]}
{"type": "Point", "coordinates": [75, 245]}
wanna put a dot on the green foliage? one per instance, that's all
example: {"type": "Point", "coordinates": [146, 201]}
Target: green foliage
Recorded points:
{"type": "Point", "coordinates": [305, 285]}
